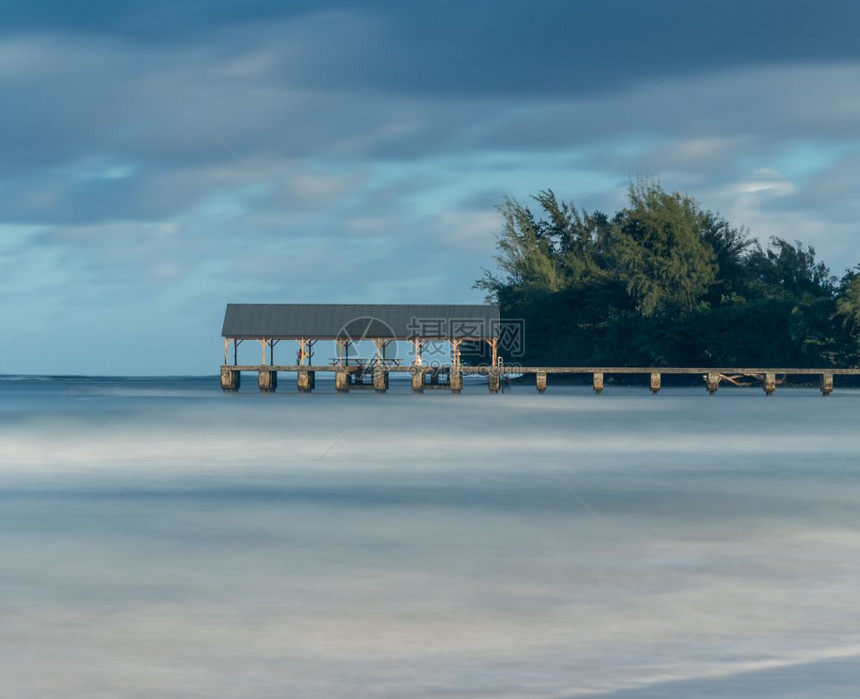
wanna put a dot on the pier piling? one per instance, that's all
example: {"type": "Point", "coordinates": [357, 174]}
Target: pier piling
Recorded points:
{"type": "Point", "coordinates": [769, 383]}
{"type": "Point", "coordinates": [493, 379]}
{"type": "Point", "coordinates": [597, 381]}
{"type": "Point", "coordinates": [267, 381]}
{"type": "Point", "coordinates": [455, 380]}
{"type": "Point", "coordinates": [305, 380]}
{"type": "Point", "coordinates": [230, 379]}
{"type": "Point", "coordinates": [713, 382]}
{"type": "Point", "coordinates": [417, 379]}
{"type": "Point", "coordinates": [655, 382]}
{"type": "Point", "coordinates": [826, 384]}
{"type": "Point", "coordinates": [341, 382]}
{"type": "Point", "coordinates": [540, 381]}
{"type": "Point", "coordinates": [380, 380]}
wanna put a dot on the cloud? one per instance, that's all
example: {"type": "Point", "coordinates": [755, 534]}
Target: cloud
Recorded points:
{"type": "Point", "coordinates": [393, 131]}
{"type": "Point", "coordinates": [485, 47]}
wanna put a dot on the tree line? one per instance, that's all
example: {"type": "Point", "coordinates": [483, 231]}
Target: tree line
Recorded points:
{"type": "Point", "coordinates": [664, 282]}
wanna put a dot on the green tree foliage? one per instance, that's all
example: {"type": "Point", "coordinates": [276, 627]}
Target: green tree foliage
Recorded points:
{"type": "Point", "coordinates": [664, 282]}
{"type": "Point", "coordinates": [658, 249]}
{"type": "Point", "coordinates": [848, 314]}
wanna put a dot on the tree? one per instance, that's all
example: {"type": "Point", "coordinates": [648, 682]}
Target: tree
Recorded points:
{"type": "Point", "coordinates": [665, 282]}
{"type": "Point", "coordinates": [659, 249]}
{"type": "Point", "coordinates": [790, 269]}
{"type": "Point", "coordinates": [847, 314]}
{"type": "Point", "coordinates": [526, 254]}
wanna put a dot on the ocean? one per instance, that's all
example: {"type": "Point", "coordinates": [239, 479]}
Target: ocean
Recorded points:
{"type": "Point", "coordinates": [161, 537]}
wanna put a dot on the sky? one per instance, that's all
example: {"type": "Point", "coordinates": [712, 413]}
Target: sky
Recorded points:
{"type": "Point", "coordinates": [163, 159]}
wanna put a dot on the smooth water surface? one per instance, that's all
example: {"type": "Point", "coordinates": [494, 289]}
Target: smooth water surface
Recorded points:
{"type": "Point", "coordinates": [162, 537]}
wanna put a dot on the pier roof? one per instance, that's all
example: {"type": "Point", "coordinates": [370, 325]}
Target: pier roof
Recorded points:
{"type": "Point", "coordinates": [360, 321]}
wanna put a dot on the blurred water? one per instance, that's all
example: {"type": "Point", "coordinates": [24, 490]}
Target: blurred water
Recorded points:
{"type": "Point", "coordinates": [422, 545]}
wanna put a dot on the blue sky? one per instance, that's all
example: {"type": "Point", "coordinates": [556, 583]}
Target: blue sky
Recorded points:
{"type": "Point", "coordinates": [393, 129]}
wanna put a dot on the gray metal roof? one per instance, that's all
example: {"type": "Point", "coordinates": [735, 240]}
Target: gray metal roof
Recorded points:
{"type": "Point", "coordinates": [359, 321]}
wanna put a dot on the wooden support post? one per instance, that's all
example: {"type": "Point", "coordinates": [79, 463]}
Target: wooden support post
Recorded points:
{"type": "Point", "coordinates": [230, 379]}
{"type": "Point", "coordinates": [417, 346]}
{"type": "Point", "coordinates": [597, 381]}
{"type": "Point", "coordinates": [305, 380]}
{"type": "Point", "coordinates": [712, 380]}
{"type": "Point", "coordinates": [341, 381]}
{"type": "Point", "coordinates": [769, 383]}
{"type": "Point", "coordinates": [494, 379]}
{"type": "Point", "coordinates": [267, 380]}
{"type": "Point", "coordinates": [417, 379]}
{"type": "Point", "coordinates": [455, 353]}
{"type": "Point", "coordinates": [540, 380]}
{"type": "Point", "coordinates": [494, 350]}
{"type": "Point", "coordinates": [263, 344]}
{"type": "Point", "coordinates": [826, 384]}
{"type": "Point", "coordinates": [455, 380]}
{"type": "Point", "coordinates": [655, 382]}
{"type": "Point", "coordinates": [236, 351]}
{"type": "Point", "coordinates": [226, 345]}
{"type": "Point", "coordinates": [380, 379]}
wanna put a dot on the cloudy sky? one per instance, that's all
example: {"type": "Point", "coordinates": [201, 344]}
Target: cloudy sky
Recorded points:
{"type": "Point", "coordinates": [162, 160]}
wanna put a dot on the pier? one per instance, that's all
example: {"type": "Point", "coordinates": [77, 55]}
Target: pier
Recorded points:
{"type": "Point", "coordinates": [451, 378]}
{"type": "Point", "coordinates": [458, 327]}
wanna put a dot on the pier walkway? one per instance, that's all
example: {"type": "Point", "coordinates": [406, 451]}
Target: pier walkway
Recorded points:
{"type": "Point", "coordinates": [451, 377]}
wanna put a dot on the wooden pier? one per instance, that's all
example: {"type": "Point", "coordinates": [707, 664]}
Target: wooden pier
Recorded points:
{"type": "Point", "coordinates": [451, 377]}
{"type": "Point", "coordinates": [350, 326]}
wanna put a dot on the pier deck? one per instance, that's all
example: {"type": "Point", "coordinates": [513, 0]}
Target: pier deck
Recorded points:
{"type": "Point", "coordinates": [352, 376]}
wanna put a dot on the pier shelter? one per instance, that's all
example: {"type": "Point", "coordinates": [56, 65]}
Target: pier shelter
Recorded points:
{"type": "Point", "coordinates": [346, 325]}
